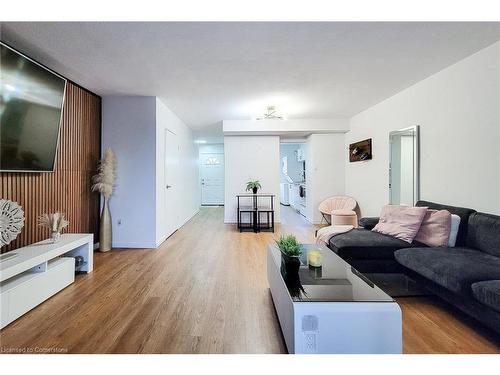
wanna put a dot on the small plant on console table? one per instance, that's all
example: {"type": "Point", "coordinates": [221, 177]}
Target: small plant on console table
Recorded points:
{"type": "Point", "coordinates": [290, 252]}
{"type": "Point", "coordinates": [254, 186]}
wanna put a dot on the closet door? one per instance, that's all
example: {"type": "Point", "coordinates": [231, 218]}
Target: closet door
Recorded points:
{"type": "Point", "coordinates": [171, 183]}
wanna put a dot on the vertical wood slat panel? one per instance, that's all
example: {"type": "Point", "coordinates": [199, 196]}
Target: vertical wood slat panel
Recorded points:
{"type": "Point", "coordinates": [67, 189]}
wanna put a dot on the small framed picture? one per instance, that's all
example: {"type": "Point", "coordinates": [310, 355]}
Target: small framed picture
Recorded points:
{"type": "Point", "coordinates": [360, 151]}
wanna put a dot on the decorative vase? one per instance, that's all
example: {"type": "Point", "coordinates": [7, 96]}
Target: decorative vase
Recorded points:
{"type": "Point", "coordinates": [290, 271]}
{"type": "Point", "coordinates": [105, 235]}
{"type": "Point", "coordinates": [255, 190]}
{"type": "Point", "coordinates": [290, 265]}
{"type": "Point", "coordinates": [55, 236]}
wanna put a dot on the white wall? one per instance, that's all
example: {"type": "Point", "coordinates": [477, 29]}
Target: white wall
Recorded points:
{"type": "Point", "coordinates": [458, 113]}
{"type": "Point", "coordinates": [250, 158]}
{"type": "Point", "coordinates": [129, 128]}
{"type": "Point", "coordinates": [325, 171]}
{"type": "Point", "coordinates": [134, 127]}
{"type": "Point", "coordinates": [186, 177]}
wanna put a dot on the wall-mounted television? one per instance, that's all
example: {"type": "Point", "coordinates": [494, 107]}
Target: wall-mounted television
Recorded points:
{"type": "Point", "coordinates": [31, 105]}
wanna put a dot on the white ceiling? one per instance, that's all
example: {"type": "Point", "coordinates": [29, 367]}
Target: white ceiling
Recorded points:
{"type": "Point", "coordinates": [208, 72]}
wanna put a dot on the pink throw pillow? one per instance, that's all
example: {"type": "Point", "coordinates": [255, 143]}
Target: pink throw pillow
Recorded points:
{"type": "Point", "coordinates": [435, 228]}
{"type": "Point", "coordinates": [402, 222]}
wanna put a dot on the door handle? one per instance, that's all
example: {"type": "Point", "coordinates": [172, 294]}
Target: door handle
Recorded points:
{"type": "Point", "coordinates": [169, 186]}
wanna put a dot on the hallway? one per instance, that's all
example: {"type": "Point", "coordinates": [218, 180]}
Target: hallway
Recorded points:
{"type": "Point", "coordinates": [290, 218]}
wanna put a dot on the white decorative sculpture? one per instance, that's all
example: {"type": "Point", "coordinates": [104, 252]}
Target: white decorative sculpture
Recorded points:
{"type": "Point", "coordinates": [11, 221]}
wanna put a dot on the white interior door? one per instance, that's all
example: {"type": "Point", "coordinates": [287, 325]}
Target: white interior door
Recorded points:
{"type": "Point", "coordinates": [212, 178]}
{"type": "Point", "coordinates": [171, 182]}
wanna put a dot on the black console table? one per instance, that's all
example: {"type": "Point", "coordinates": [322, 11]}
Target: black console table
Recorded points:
{"type": "Point", "coordinates": [257, 207]}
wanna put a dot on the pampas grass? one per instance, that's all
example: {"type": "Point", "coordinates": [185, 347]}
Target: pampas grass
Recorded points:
{"type": "Point", "coordinates": [104, 180]}
{"type": "Point", "coordinates": [55, 222]}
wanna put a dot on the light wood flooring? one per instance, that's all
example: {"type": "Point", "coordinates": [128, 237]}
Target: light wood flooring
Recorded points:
{"type": "Point", "coordinates": [204, 291]}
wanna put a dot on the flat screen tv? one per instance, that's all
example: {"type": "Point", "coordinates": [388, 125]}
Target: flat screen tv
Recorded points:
{"type": "Point", "coordinates": [31, 104]}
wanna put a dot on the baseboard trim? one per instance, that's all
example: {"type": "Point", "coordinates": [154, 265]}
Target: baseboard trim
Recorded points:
{"type": "Point", "coordinates": [165, 237]}
{"type": "Point", "coordinates": [147, 244]}
{"type": "Point", "coordinates": [190, 217]}
{"type": "Point", "coordinates": [134, 245]}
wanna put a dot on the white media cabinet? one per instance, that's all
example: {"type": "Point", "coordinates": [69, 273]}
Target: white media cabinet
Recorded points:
{"type": "Point", "coordinates": [32, 274]}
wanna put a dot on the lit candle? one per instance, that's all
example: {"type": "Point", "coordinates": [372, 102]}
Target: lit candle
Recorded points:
{"type": "Point", "coordinates": [314, 258]}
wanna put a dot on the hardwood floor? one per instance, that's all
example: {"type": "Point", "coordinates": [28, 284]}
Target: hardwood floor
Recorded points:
{"type": "Point", "coordinates": [203, 291]}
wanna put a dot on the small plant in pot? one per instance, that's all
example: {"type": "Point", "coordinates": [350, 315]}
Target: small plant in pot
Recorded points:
{"type": "Point", "coordinates": [290, 252]}
{"type": "Point", "coordinates": [254, 186]}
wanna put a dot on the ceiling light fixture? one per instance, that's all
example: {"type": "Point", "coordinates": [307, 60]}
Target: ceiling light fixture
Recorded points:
{"type": "Point", "coordinates": [271, 114]}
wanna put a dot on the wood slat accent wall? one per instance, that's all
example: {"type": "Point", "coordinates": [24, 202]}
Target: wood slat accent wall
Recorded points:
{"type": "Point", "coordinates": [67, 189]}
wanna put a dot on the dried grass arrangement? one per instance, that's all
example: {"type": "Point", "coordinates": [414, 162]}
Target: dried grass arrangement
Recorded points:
{"type": "Point", "coordinates": [105, 179]}
{"type": "Point", "coordinates": [55, 223]}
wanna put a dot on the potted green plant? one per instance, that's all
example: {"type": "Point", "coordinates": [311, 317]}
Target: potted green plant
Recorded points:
{"type": "Point", "coordinates": [254, 186]}
{"type": "Point", "coordinates": [290, 252]}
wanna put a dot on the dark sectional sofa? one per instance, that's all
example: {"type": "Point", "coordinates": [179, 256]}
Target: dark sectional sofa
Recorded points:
{"type": "Point", "coordinates": [467, 275]}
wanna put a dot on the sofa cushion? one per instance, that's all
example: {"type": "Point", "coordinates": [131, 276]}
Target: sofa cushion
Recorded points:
{"type": "Point", "coordinates": [435, 228]}
{"type": "Point", "coordinates": [454, 268]}
{"type": "Point", "coordinates": [368, 222]}
{"type": "Point", "coordinates": [488, 293]}
{"type": "Point", "coordinates": [364, 244]}
{"type": "Point", "coordinates": [484, 233]}
{"type": "Point", "coordinates": [464, 214]}
{"type": "Point", "coordinates": [402, 222]}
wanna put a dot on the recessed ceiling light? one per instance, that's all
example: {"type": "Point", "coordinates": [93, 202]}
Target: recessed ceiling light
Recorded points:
{"type": "Point", "coordinates": [200, 141]}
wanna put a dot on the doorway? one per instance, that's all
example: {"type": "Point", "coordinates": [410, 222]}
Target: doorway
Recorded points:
{"type": "Point", "coordinates": [212, 174]}
{"type": "Point", "coordinates": [293, 185]}
{"type": "Point", "coordinates": [171, 164]}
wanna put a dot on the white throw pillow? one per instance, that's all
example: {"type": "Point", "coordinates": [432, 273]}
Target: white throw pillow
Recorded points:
{"type": "Point", "coordinates": [455, 223]}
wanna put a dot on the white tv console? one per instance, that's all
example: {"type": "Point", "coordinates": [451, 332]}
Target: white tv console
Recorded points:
{"type": "Point", "coordinates": [31, 274]}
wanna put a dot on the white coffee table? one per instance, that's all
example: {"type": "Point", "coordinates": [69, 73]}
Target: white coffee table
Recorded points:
{"type": "Point", "coordinates": [332, 309]}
